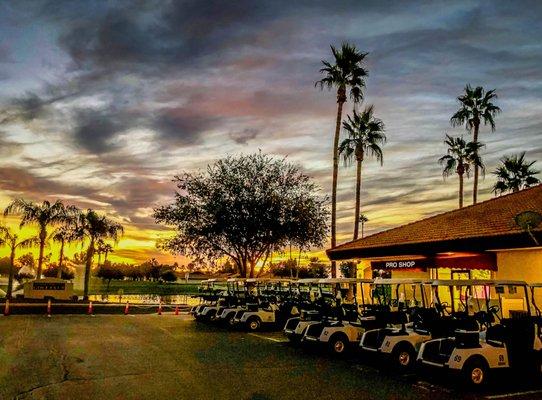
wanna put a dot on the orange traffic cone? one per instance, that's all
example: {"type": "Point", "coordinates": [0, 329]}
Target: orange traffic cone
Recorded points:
{"type": "Point", "coordinates": [177, 310]}
{"type": "Point", "coordinates": [49, 308]}
{"type": "Point", "coordinates": [127, 308]}
{"type": "Point", "coordinates": [6, 308]}
{"type": "Point", "coordinates": [90, 308]}
{"type": "Point", "coordinates": [160, 308]}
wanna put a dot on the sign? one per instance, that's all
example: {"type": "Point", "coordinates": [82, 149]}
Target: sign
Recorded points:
{"type": "Point", "coordinates": [421, 263]}
{"type": "Point", "coordinates": [485, 261]}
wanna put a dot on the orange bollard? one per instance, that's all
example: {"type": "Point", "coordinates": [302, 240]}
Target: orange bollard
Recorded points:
{"type": "Point", "coordinates": [49, 308]}
{"type": "Point", "coordinates": [6, 308]}
{"type": "Point", "coordinates": [127, 308]}
{"type": "Point", "coordinates": [177, 309]}
{"type": "Point", "coordinates": [90, 308]}
{"type": "Point", "coordinates": [160, 308]}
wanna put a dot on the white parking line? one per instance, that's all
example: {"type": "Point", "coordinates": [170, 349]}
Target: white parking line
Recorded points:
{"type": "Point", "coordinates": [516, 394]}
{"type": "Point", "coordinates": [269, 338]}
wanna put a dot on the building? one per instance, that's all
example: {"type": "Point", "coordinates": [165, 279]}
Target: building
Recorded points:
{"type": "Point", "coordinates": [478, 241]}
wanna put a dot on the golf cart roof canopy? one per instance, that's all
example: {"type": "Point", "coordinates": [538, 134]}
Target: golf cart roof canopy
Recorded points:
{"type": "Point", "coordinates": [399, 281]}
{"type": "Point", "coordinates": [236, 279]}
{"type": "Point", "coordinates": [345, 280]}
{"type": "Point", "coordinates": [536, 285]}
{"type": "Point", "coordinates": [216, 280]}
{"type": "Point", "coordinates": [477, 282]}
{"type": "Point", "coordinates": [269, 280]}
{"type": "Point", "coordinates": [308, 280]}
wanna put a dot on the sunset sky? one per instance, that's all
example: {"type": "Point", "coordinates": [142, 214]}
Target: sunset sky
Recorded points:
{"type": "Point", "coordinates": [102, 103]}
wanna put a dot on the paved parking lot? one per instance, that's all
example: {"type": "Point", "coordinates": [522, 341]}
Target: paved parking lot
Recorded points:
{"type": "Point", "coordinates": [172, 357]}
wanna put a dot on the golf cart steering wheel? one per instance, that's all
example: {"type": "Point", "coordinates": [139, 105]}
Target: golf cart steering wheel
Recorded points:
{"type": "Point", "coordinates": [495, 311]}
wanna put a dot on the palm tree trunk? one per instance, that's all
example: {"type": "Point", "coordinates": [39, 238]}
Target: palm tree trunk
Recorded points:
{"type": "Point", "coordinates": [460, 190]}
{"type": "Point", "coordinates": [11, 272]}
{"type": "Point", "coordinates": [59, 273]}
{"type": "Point", "coordinates": [476, 171]}
{"type": "Point", "coordinates": [340, 101]}
{"type": "Point", "coordinates": [88, 265]}
{"type": "Point", "coordinates": [105, 256]}
{"type": "Point", "coordinates": [43, 237]}
{"type": "Point", "coordinates": [358, 198]}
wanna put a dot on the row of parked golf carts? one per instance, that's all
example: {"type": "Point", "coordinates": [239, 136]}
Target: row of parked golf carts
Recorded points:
{"type": "Point", "coordinates": [472, 327]}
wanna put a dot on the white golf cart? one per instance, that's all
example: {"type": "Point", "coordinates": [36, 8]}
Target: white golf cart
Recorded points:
{"type": "Point", "coordinates": [237, 290]}
{"type": "Point", "coordinates": [352, 313]}
{"type": "Point", "coordinates": [215, 300]}
{"type": "Point", "coordinates": [271, 305]}
{"type": "Point", "coordinates": [507, 337]}
{"type": "Point", "coordinates": [307, 304]}
{"type": "Point", "coordinates": [429, 318]}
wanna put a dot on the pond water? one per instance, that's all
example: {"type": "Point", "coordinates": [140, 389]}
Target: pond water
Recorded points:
{"type": "Point", "coordinates": [145, 299]}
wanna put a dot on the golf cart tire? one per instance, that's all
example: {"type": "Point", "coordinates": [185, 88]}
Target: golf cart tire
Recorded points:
{"type": "Point", "coordinates": [475, 372]}
{"type": "Point", "coordinates": [338, 344]}
{"type": "Point", "coordinates": [254, 324]}
{"type": "Point", "coordinates": [404, 356]}
{"type": "Point", "coordinates": [229, 319]}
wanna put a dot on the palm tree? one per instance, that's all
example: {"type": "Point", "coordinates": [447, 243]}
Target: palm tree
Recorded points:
{"type": "Point", "coordinates": [346, 73]}
{"type": "Point", "coordinates": [43, 215]}
{"type": "Point", "coordinates": [63, 235]}
{"type": "Point", "coordinates": [515, 174]}
{"type": "Point", "coordinates": [475, 107]}
{"type": "Point", "coordinates": [363, 220]}
{"type": "Point", "coordinates": [94, 227]}
{"type": "Point", "coordinates": [10, 239]}
{"type": "Point", "coordinates": [459, 159]}
{"type": "Point", "coordinates": [365, 137]}
{"type": "Point", "coordinates": [107, 248]}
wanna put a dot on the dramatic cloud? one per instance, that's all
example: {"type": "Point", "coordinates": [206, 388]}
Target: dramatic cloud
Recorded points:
{"type": "Point", "coordinates": [103, 102]}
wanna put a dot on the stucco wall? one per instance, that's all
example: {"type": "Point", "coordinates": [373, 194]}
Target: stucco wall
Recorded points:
{"type": "Point", "coordinates": [524, 265]}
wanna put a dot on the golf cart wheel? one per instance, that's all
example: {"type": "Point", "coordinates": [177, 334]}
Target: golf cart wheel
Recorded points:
{"type": "Point", "coordinates": [338, 344]}
{"type": "Point", "coordinates": [229, 319]}
{"type": "Point", "coordinates": [253, 324]}
{"type": "Point", "coordinates": [404, 357]}
{"type": "Point", "coordinates": [476, 373]}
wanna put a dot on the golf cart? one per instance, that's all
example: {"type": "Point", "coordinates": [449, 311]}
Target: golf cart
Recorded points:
{"type": "Point", "coordinates": [429, 317]}
{"type": "Point", "coordinates": [237, 294]}
{"type": "Point", "coordinates": [351, 313]}
{"type": "Point", "coordinates": [208, 295]}
{"type": "Point", "coordinates": [271, 306]}
{"type": "Point", "coordinates": [507, 338]}
{"type": "Point", "coordinates": [208, 312]}
{"type": "Point", "coordinates": [308, 309]}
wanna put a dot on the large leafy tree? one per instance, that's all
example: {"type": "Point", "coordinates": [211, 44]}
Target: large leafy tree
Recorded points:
{"type": "Point", "coordinates": [11, 240]}
{"type": "Point", "coordinates": [43, 215]}
{"type": "Point", "coordinates": [476, 107]}
{"type": "Point", "coordinates": [515, 174]}
{"type": "Point", "coordinates": [91, 227]}
{"type": "Point", "coordinates": [244, 207]}
{"type": "Point", "coordinates": [459, 158]}
{"type": "Point", "coordinates": [365, 138]}
{"type": "Point", "coordinates": [346, 73]}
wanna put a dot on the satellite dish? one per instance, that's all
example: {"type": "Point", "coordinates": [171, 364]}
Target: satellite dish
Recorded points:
{"type": "Point", "coordinates": [527, 221]}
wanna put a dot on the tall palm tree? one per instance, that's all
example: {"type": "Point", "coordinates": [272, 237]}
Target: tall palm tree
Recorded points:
{"type": "Point", "coordinates": [10, 239]}
{"type": "Point", "coordinates": [93, 227]}
{"type": "Point", "coordinates": [346, 73]}
{"type": "Point", "coordinates": [515, 174]}
{"type": "Point", "coordinates": [475, 107]}
{"type": "Point", "coordinates": [43, 215]}
{"type": "Point", "coordinates": [459, 158]}
{"type": "Point", "coordinates": [363, 219]}
{"type": "Point", "coordinates": [63, 235]}
{"type": "Point", "coordinates": [365, 137]}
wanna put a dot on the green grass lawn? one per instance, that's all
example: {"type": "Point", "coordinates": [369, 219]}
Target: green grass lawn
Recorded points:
{"type": "Point", "coordinates": [97, 286]}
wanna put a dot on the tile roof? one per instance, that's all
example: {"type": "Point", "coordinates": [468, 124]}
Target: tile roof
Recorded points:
{"type": "Point", "coordinates": [490, 218]}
